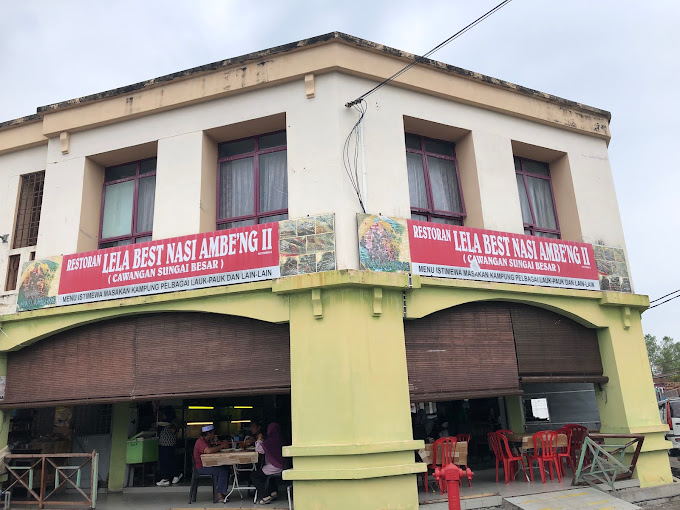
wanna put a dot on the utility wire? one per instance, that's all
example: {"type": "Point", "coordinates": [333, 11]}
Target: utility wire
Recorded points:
{"type": "Point", "coordinates": [350, 159]}
{"type": "Point", "coordinates": [662, 302]}
{"type": "Point", "coordinates": [669, 294]}
{"type": "Point", "coordinates": [424, 57]}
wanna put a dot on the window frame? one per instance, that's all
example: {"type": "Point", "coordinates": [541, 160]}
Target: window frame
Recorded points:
{"type": "Point", "coordinates": [431, 212]}
{"type": "Point", "coordinates": [27, 217]}
{"type": "Point", "coordinates": [133, 227]}
{"type": "Point", "coordinates": [533, 227]}
{"type": "Point", "coordinates": [255, 154]}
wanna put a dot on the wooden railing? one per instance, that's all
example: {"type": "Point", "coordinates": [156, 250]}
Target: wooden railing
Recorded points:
{"type": "Point", "coordinates": [45, 477]}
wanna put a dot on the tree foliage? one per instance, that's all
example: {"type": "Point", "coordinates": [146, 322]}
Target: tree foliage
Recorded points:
{"type": "Point", "coordinates": [664, 356]}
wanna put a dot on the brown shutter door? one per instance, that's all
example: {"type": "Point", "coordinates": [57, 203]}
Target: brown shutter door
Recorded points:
{"type": "Point", "coordinates": [462, 352]}
{"type": "Point", "coordinates": [554, 348]}
{"type": "Point", "coordinates": [149, 357]}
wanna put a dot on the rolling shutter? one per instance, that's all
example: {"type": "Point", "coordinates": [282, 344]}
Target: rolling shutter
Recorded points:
{"type": "Point", "coordinates": [463, 352]}
{"type": "Point", "coordinates": [151, 357]}
{"type": "Point", "coordinates": [554, 348]}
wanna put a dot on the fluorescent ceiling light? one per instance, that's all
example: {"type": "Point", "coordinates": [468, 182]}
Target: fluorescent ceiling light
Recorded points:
{"type": "Point", "coordinates": [240, 421]}
{"type": "Point", "coordinates": [201, 407]}
{"type": "Point", "coordinates": [243, 407]}
{"type": "Point", "coordinates": [200, 423]}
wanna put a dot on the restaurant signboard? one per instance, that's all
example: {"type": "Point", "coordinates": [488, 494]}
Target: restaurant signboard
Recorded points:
{"type": "Point", "coordinates": [451, 251]}
{"type": "Point", "coordinates": [237, 255]}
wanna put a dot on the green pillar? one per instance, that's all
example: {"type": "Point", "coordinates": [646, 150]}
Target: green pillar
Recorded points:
{"type": "Point", "coordinates": [352, 445]}
{"type": "Point", "coordinates": [515, 409]}
{"type": "Point", "coordinates": [627, 403]}
{"type": "Point", "coordinates": [119, 433]}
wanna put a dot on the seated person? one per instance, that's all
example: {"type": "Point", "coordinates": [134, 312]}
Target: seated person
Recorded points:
{"type": "Point", "coordinates": [255, 430]}
{"type": "Point", "coordinates": [206, 444]}
{"type": "Point", "coordinates": [273, 462]}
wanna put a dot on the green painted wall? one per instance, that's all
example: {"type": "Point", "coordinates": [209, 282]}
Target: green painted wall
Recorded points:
{"type": "Point", "coordinates": [352, 440]}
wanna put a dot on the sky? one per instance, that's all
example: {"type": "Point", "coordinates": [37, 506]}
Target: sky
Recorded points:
{"type": "Point", "coordinates": [613, 54]}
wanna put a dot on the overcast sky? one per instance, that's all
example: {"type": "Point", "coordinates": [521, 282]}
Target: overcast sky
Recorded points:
{"type": "Point", "coordinates": [616, 55]}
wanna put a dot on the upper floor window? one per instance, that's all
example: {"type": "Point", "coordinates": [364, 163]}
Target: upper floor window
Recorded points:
{"type": "Point", "coordinates": [536, 198]}
{"type": "Point", "coordinates": [128, 201]}
{"type": "Point", "coordinates": [433, 181]}
{"type": "Point", "coordinates": [252, 181]}
{"type": "Point", "coordinates": [28, 212]}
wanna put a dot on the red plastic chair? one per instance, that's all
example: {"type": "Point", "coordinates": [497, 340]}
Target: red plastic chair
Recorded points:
{"type": "Point", "coordinates": [495, 444]}
{"type": "Point", "coordinates": [463, 438]}
{"type": "Point", "coordinates": [578, 435]}
{"type": "Point", "coordinates": [564, 454]}
{"type": "Point", "coordinates": [447, 447]}
{"type": "Point", "coordinates": [510, 460]}
{"type": "Point", "coordinates": [545, 452]}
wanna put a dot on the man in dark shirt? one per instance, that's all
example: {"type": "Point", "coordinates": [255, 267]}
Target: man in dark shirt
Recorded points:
{"type": "Point", "coordinates": [206, 444]}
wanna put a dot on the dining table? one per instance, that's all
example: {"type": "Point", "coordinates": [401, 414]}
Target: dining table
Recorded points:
{"type": "Point", "coordinates": [460, 456]}
{"type": "Point", "coordinates": [525, 441]}
{"type": "Point", "coordinates": [235, 458]}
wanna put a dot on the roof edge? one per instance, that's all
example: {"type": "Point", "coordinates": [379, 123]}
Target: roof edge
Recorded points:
{"type": "Point", "coordinates": [321, 39]}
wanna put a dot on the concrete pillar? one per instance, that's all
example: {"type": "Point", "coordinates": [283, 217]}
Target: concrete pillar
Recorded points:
{"type": "Point", "coordinates": [515, 410]}
{"type": "Point", "coordinates": [348, 365]}
{"type": "Point", "coordinates": [186, 174]}
{"type": "Point", "coordinates": [497, 185]}
{"type": "Point", "coordinates": [59, 234]}
{"type": "Point", "coordinates": [627, 403]}
{"type": "Point", "coordinates": [119, 435]}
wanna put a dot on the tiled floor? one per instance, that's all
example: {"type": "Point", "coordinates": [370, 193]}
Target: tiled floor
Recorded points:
{"type": "Point", "coordinates": [484, 484]}
{"type": "Point", "coordinates": [576, 498]}
{"type": "Point", "coordinates": [176, 498]}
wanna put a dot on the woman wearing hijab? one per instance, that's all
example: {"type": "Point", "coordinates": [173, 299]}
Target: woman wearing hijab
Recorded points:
{"type": "Point", "coordinates": [273, 462]}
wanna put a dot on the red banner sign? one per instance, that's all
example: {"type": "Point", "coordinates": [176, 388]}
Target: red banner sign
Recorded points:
{"type": "Point", "coordinates": [449, 251]}
{"type": "Point", "coordinates": [238, 255]}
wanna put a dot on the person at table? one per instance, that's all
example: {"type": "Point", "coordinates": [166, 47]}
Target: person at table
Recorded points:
{"type": "Point", "coordinates": [255, 431]}
{"type": "Point", "coordinates": [273, 463]}
{"type": "Point", "coordinates": [206, 444]}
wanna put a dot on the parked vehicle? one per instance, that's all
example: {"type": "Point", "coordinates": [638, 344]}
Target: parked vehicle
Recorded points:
{"type": "Point", "coordinates": [669, 410]}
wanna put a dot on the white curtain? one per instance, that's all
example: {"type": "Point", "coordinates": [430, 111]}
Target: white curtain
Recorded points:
{"type": "Point", "coordinates": [118, 200]}
{"type": "Point", "coordinates": [236, 188]}
{"type": "Point", "coordinates": [145, 203]}
{"type": "Point", "coordinates": [444, 183]}
{"type": "Point", "coordinates": [541, 200]}
{"type": "Point", "coordinates": [416, 180]}
{"type": "Point", "coordinates": [524, 200]}
{"type": "Point", "coordinates": [273, 181]}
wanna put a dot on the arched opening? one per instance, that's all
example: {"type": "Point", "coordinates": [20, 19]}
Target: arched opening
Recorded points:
{"type": "Point", "coordinates": [151, 356]}
{"type": "Point", "coordinates": [465, 361]}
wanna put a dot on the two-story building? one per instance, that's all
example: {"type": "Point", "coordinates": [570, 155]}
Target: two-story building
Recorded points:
{"type": "Point", "coordinates": [230, 236]}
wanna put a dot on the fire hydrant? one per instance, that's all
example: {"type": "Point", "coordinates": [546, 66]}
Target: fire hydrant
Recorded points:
{"type": "Point", "coordinates": [452, 475]}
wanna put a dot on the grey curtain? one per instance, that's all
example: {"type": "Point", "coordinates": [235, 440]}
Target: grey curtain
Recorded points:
{"type": "Point", "coordinates": [236, 188]}
{"type": "Point", "coordinates": [145, 203]}
{"type": "Point", "coordinates": [444, 183]}
{"type": "Point", "coordinates": [416, 180]}
{"type": "Point", "coordinates": [273, 181]}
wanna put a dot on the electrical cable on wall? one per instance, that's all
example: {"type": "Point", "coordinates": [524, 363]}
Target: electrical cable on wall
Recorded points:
{"type": "Point", "coordinates": [350, 159]}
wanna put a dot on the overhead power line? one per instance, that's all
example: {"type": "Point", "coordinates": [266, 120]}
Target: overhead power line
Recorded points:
{"type": "Point", "coordinates": [426, 55]}
{"type": "Point", "coordinates": [669, 294]}
{"type": "Point", "coordinates": [666, 301]}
